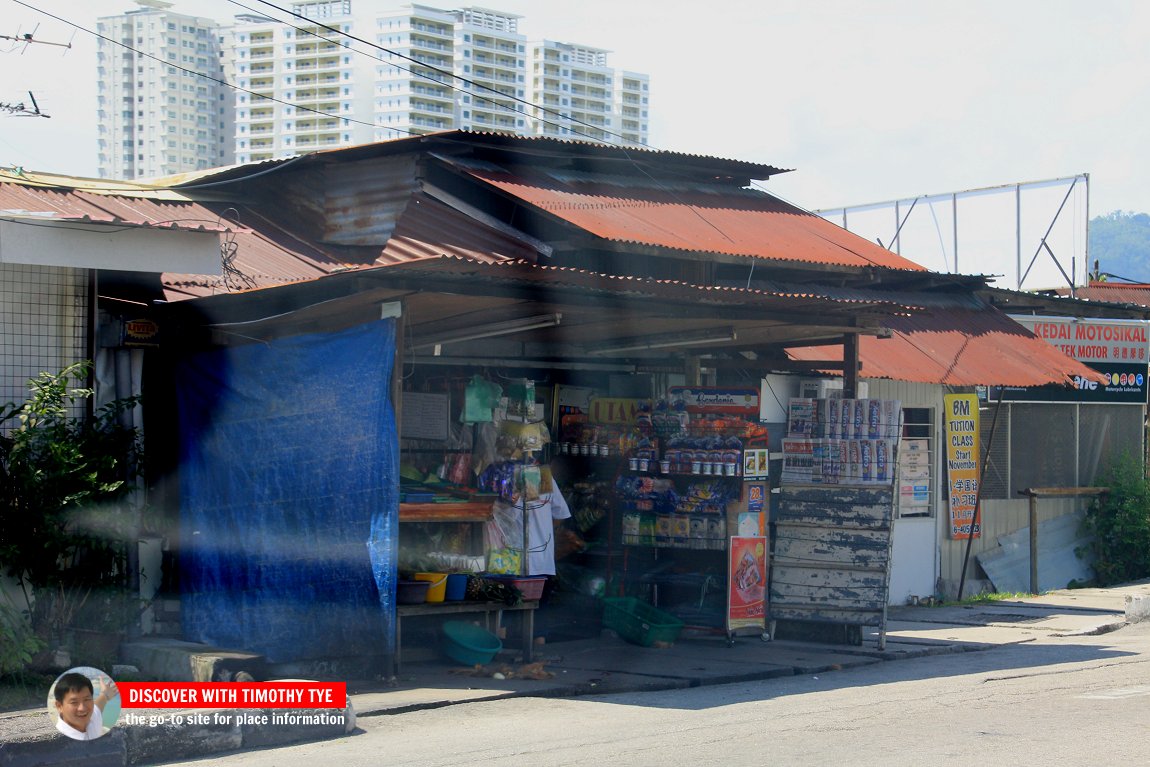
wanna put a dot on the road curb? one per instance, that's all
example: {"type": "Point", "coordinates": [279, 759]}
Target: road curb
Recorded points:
{"type": "Point", "coordinates": [167, 739]}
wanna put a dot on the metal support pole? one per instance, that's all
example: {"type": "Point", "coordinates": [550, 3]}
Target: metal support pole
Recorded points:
{"type": "Point", "coordinates": [1018, 234]}
{"type": "Point", "coordinates": [1033, 543]}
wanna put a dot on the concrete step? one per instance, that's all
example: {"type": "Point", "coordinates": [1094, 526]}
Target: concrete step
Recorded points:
{"type": "Point", "coordinates": [178, 661]}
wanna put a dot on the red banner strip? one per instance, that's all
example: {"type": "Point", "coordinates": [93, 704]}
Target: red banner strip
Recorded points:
{"type": "Point", "coordinates": [232, 694]}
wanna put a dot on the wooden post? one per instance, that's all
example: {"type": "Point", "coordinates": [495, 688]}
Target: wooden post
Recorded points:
{"type": "Point", "coordinates": [850, 366]}
{"type": "Point", "coordinates": [1034, 493]}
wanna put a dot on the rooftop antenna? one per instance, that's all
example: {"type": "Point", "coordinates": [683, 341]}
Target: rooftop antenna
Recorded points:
{"type": "Point", "coordinates": [20, 110]}
{"type": "Point", "coordinates": [29, 38]}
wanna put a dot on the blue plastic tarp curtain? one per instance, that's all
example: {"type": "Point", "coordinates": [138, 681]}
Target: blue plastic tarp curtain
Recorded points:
{"type": "Point", "coordinates": [289, 495]}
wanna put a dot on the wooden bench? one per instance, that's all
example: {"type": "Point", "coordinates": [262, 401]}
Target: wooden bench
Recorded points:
{"type": "Point", "coordinates": [490, 611]}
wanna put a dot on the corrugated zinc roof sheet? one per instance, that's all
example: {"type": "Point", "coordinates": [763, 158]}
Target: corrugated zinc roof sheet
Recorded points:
{"type": "Point", "coordinates": [1115, 293]}
{"type": "Point", "coordinates": [708, 220]}
{"type": "Point", "coordinates": [429, 229]}
{"type": "Point", "coordinates": [61, 204]}
{"type": "Point", "coordinates": [959, 347]}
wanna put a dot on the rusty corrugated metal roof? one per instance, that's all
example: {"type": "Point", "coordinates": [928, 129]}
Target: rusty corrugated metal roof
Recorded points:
{"type": "Point", "coordinates": [959, 347]}
{"type": "Point", "coordinates": [263, 255]}
{"type": "Point", "coordinates": [1112, 292]}
{"type": "Point", "coordinates": [478, 140]}
{"type": "Point", "coordinates": [719, 219]}
{"type": "Point", "coordinates": [19, 200]}
{"type": "Point", "coordinates": [428, 229]}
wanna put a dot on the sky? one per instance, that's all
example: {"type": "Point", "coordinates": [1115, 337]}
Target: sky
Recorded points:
{"type": "Point", "coordinates": [867, 101]}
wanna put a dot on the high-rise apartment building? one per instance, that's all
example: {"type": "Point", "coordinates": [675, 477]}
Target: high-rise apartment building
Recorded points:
{"type": "Point", "coordinates": [575, 93]}
{"type": "Point", "coordinates": [302, 86]}
{"type": "Point", "coordinates": [335, 76]}
{"type": "Point", "coordinates": [442, 70]}
{"type": "Point", "coordinates": [155, 116]}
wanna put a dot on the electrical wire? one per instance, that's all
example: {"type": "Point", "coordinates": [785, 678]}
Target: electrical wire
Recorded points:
{"type": "Point", "coordinates": [192, 72]}
{"type": "Point", "coordinates": [443, 72]}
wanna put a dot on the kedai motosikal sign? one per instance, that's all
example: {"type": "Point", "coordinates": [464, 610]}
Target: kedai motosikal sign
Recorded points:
{"type": "Point", "coordinates": [1120, 349]}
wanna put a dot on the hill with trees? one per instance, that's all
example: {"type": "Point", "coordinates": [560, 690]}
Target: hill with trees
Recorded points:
{"type": "Point", "coordinates": [1120, 243]}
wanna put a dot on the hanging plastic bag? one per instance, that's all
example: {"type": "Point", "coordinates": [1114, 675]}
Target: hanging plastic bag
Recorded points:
{"type": "Point", "coordinates": [479, 400]}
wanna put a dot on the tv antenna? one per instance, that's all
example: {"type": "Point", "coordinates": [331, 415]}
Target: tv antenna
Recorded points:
{"type": "Point", "coordinates": [19, 109]}
{"type": "Point", "coordinates": [26, 39]}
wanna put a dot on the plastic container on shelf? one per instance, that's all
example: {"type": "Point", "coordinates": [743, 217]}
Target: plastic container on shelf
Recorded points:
{"type": "Point", "coordinates": [530, 586]}
{"type": "Point", "coordinates": [437, 588]}
{"type": "Point", "coordinates": [456, 589]}
{"type": "Point", "coordinates": [411, 592]}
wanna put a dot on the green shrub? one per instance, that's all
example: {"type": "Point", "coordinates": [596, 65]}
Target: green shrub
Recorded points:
{"type": "Point", "coordinates": [1120, 524]}
{"type": "Point", "coordinates": [18, 643]}
{"type": "Point", "coordinates": [64, 481]}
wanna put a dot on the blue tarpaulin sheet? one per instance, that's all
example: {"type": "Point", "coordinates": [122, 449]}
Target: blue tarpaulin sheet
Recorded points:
{"type": "Point", "coordinates": [289, 495]}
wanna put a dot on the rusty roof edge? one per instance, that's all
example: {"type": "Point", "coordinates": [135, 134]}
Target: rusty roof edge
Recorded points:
{"type": "Point", "coordinates": [638, 281]}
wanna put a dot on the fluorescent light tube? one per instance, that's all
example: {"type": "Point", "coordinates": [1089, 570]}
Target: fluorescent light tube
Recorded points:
{"type": "Point", "coordinates": [490, 330]}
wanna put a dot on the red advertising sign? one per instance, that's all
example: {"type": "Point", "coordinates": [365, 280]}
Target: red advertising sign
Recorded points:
{"type": "Point", "coordinates": [747, 583]}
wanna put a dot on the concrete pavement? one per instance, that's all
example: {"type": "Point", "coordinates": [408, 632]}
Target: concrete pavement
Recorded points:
{"type": "Point", "coordinates": [604, 665]}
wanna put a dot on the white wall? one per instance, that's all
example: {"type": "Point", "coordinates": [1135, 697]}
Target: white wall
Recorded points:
{"type": "Point", "coordinates": [915, 549]}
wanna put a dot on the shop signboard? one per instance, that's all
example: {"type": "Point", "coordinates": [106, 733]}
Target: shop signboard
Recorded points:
{"type": "Point", "coordinates": [1117, 348]}
{"type": "Point", "coordinates": [717, 399]}
{"type": "Point", "coordinates": [747, 584]}
{"type": "Point", "coordinates": [962, 462]}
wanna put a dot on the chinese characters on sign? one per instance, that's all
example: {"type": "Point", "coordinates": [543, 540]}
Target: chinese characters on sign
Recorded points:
{"type": "Point", "coordinates": [962, 461]}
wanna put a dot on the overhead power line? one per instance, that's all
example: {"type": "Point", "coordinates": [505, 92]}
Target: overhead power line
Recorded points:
{"type": "Point", "coordinates": [192, 72]}
{"type": "Point", "coordinates": [444, 73]}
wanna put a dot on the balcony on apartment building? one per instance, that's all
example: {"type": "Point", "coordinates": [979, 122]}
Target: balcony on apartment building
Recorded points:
{"type": "Point", "coordinates": [433, 29]}
{"type": "Point", "coordinates": [427, 44]}
{"type": "Point", "coordinates": [443, 94]}
{"type": "Point", "coordinates": [424, 107]}
{"type": "Point", "coordinates": [309, 64]}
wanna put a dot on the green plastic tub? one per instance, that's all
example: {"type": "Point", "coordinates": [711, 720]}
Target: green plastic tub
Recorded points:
{"type": "Point", "coordinates": [469, 644]}
{"type": "Point", "coordinates": [638, 622]}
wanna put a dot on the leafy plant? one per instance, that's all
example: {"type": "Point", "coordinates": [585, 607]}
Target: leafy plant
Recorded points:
{"type": "Point", "coordinates": [1120, 524]}
{"type": "Point", "coordinates": [63, 479]}
{"type": "Point", "coordinates": [18, 642]}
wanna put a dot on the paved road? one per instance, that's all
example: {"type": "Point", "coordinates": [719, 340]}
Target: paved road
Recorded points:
{"type": "Point", "coordinates": [1073, 700]}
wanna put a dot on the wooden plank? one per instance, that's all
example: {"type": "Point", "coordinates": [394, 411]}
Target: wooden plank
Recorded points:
{"type": "Point", "coordinates": [819, 579]}
{"type": "Point", "coordinates": [831, 547]}
{"type": "Point", "coordinates": [878, 517]}
{"type": "Point", "coordinates": [838, 494]}
{"type": "Point", "coordinates": [445, 512]}
{"type": "Point", "coordinates": [849, 617]}
{"type": "Point", "coordinates": [819, 605]}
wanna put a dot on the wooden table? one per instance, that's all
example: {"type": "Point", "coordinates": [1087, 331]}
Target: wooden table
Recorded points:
{"type": "Point", "coordinates": [489, 610]}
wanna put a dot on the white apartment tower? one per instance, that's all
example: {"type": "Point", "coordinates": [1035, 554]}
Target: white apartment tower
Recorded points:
{"type": "Point", "coordinates": [300, 85]}
{"type": "Point", "coordinates": [303, 83]}
{"type": "Point", "coordinates": [449, 69]}
{"type": "Point", "coordinates": [575, 94]}
{"type": "Point", "coordinates": [156, 116]}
